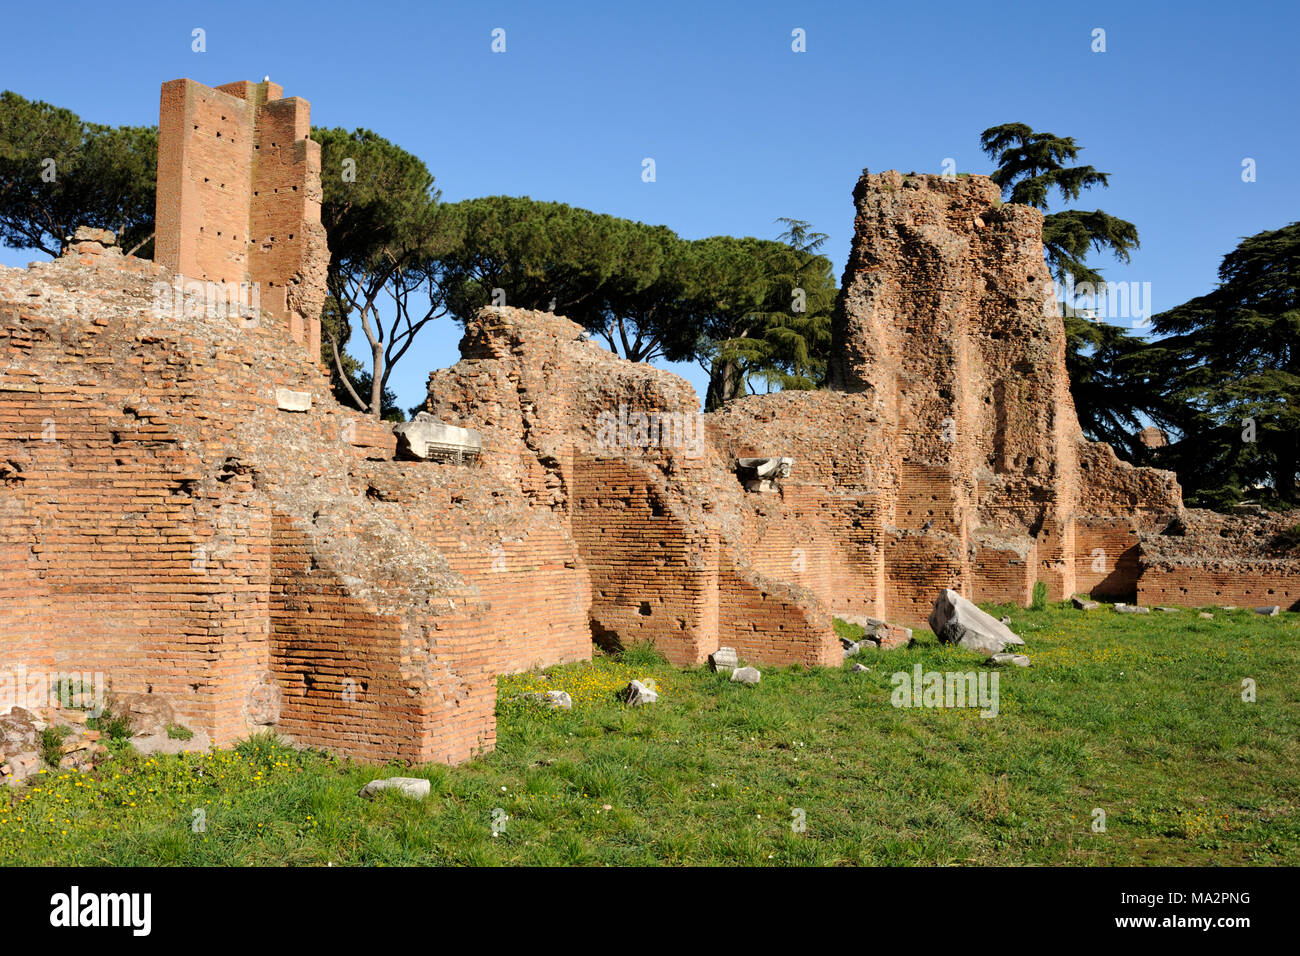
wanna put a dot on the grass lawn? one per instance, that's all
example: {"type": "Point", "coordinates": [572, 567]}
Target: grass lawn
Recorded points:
{"type": "Point", "coordinates": [1141, 717]}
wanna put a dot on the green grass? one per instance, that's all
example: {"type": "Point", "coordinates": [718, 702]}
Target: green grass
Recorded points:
{"type": "Point", "coordinates": [1141, 717]}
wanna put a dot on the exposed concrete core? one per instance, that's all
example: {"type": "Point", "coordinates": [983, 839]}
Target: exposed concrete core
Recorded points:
{"type": "Point", "coordinates": [186, 511]}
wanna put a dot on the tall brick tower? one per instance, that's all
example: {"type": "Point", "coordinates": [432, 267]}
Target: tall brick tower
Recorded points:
{"type": "Point", "coordinates": [239, 196]}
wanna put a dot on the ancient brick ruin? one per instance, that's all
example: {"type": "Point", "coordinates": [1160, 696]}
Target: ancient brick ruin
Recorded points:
{"type": "Point", "coordinates": [186, 510]}
{"type": "Point", "coordinates": [239, 196]}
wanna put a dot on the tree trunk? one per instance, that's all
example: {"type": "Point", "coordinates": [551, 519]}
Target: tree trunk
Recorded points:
{"type": "Point", "coordinates": [377, 382]}
{"type": "Point", "coordinates": [1288, 460]}
{"type": "Point", "coordinates": [724, 385]}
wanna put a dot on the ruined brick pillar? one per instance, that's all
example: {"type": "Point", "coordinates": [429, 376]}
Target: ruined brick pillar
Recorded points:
{"type": "Point", "coordinates": [948, 326]}
{"type": "Point", "coordinates": [239, 197]}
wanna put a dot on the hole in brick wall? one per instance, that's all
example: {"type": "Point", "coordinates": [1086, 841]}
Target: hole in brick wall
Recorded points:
{"type": "Point", "coordinates": [644, 609]}
{"type": "Point", "coordinates": [10, 473]}
{"type": "Point", "coordinates": [607, 640]}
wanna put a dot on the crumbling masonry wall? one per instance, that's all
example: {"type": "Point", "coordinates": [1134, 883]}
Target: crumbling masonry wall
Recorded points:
{"type": "Point", "coordinates": [168, 523]}
{"type": "Point", "coordinates": [185, 510]}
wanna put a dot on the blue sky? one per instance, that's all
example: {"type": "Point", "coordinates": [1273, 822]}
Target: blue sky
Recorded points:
{"type": "Point", "coordinates": [742, 129]}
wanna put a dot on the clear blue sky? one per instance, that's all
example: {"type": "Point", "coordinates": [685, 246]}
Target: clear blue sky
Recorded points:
{"type": "Point", "coordinates": [742, 129]}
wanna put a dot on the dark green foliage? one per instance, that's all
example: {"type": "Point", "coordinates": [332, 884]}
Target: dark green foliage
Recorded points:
{"type": "Point", "coordinates": [111, 725]}
{"type": "Point", "coordinates": [642, 654]}
{"type": "Point", "coordinates": [1040, 596]}
{"type": "Point", "coordinates": [1228, 361]}
{"type": "Point", "coordinates": [102, 176]}
{"type": "Point", "coordinates": [728, 303]}
{"type": "Point", "coordinates": [1109, 394]}
{"type": "Point", "coordinates": [50, 743]}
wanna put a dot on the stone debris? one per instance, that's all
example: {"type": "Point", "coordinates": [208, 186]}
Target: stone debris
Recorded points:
{"type": "Point", "coordinates": [19, 767]}
{"type": "Point", "coordinates": [956, 620]}
{"type": "Point", "coordinates": [1132, 609]}
{"type": "Point", "coordinates": [288, 400]}
{"type": "Point", "coordinates": [18, 731]}
{"type": "Point", "coordinates": [884, 636]}
{"type": "Point", "coordinates": [998, 660]}
{"type": "Point", "coordinates": [1083, 604]}
{"type": "Point", "coordinates": [860, 668]}
{"type": "Point", "coordinates": [1168, 610]}
{"type": "Point", "coordinates": [417, 788]}
{"type": "Point", "coordinates": [724, 659]}
{"type": "Point", "coordinates": [1206, 616]}
{"type": "Point", "coordinates": [427, 438]}
{"type": "Point", "coordinates": [638, 694]}
{"type": "Point", "coordinates": [746, 675]}
{"type": "Point", "coordinates": [1271, 611]}
{"type": "Point", "coordinates": [761, 474]}
{"type": "Point", "coordinates": [851, 648]}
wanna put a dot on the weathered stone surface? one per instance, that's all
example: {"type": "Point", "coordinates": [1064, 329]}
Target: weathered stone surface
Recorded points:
{"type": "Point", "coordinates": [762, 474]}
{"type": "Point", "coordinates": [1271, 611]}
{"type": "Point", "coordinates": [22, 766]}
{"type": "Point", "coordinates": [1132, 609]}
{"type": "Point", "coordinates": [103, 237]}
{"type": "Point", "coordinates": [554, 699]}
{"type": "Point", "coordinates": [149, 714]}
{"type": "Point", "coordinates": [956, 620]}
{"type": "Point", "coordinates": [638, 694]}
{"type": "Point", "coordinates": [724, 659]}
{"type": "Point", "coordinates": [288, 400]}
{"type": "Point", "coordinates": [1000, 660]}
{"type": "Point", "coordinates": [884, 636]}
{"type": "Point", "coordinates": [860, 668]}
{"type": "Point", "coordinates": [1083, 604]}
{"type": "Point", "coordinates": [17, 731]}
{"type": "Point", "coordinates": [426, 438]}
{"type": "Point", "coordinates": [746, 675]}
{"type": "Point", "coordinates": [851, 648]}
{"type": "Point", "coordinates": [890, 637]}
{"type": "Point", "coordinates": [1152, 437]}
{"type": "Point", "coordinates": [417, 788]}
{"type": "Point", "coordinates": [1206, 616]}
